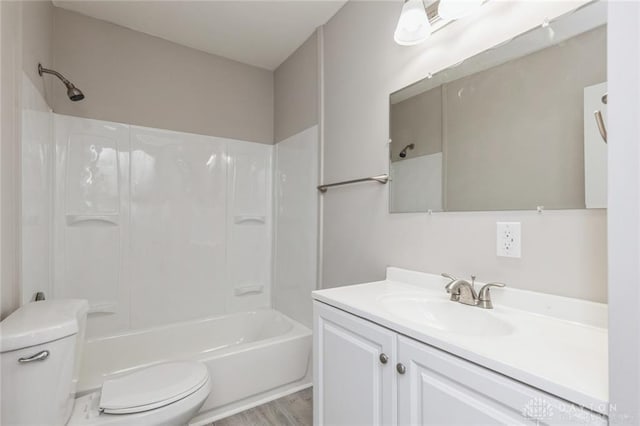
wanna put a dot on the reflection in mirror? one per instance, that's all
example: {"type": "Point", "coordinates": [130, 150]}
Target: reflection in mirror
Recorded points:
{"type": "Point", "coordinates": [512, 128]}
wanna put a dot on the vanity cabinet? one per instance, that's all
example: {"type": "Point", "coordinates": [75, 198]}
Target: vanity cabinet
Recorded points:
{"type": "Point", "coordinates": [353, 369]}
{"type": "Point", "coordinates": [415, 383]}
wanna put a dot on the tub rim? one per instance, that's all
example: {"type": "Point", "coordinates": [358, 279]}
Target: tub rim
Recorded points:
{"type": "Point", "coordinates": [297, 331]}
{"type": "Point", "coordinates": [177, 324]}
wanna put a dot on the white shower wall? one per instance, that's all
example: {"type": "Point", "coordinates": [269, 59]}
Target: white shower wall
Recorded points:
{"type": "Point", "coordinates": [296, 236]}
{"type": "Point", "coordinates": [154, 226]}
{"type": "Point", "coordinates": [91, 222]}
{"type": "Point", "coordinates": [36, 174]}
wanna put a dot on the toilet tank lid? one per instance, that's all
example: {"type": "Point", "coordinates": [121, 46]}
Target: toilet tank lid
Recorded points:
{"type": "Point", "coordinates": [41, 322]}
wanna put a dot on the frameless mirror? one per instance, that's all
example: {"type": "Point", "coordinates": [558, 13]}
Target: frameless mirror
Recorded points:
{"type": "Point", "coordinates": [516, 127]}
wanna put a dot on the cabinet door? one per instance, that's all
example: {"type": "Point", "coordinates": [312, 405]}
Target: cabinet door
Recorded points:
{"type": "Point", "coordinates": [353, 386]}
{"type": "Point", "coordinates": [439, 388]}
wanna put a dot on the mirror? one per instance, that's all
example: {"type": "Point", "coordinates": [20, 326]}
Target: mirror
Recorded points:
{"type": "Point", "coordinates": [512, 128]}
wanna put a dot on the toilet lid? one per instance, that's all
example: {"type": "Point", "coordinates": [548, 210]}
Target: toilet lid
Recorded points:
{"type": "Point", "coordinates": [152, 387]}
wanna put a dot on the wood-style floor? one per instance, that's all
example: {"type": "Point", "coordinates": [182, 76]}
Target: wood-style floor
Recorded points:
{"type": "Point", "coordinates": [292, 410]}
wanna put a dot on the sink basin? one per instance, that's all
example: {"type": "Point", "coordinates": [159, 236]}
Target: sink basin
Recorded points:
{"type": "Point", "coordinates": [446, 315]}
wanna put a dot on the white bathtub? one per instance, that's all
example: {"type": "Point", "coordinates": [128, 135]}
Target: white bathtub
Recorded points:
{"type": "Point", "coordinates": [252, 357]}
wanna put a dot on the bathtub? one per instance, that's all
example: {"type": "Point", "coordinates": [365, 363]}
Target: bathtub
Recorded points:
{"type": "Point", "coordinates": [252, 357]}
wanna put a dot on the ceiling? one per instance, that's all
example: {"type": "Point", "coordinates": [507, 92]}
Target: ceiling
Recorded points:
{"type": "Point", "coordinates": [262, 33]}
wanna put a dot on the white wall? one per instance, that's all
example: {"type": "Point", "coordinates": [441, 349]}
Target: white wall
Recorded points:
{"type": "Point", "coordinates": [624, 212]}
{"type": "Point", "coordinates": [37, 187]}
{"type": "Point", "coordinates": [154, 226]}
{"type": "Point", "coordinates": [296, 224]}
{"type": "Point", "coordinates": [564, 252]}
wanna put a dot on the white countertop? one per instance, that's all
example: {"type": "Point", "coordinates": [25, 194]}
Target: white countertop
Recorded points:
{"type": "Point", "coordinates": [557, 344]}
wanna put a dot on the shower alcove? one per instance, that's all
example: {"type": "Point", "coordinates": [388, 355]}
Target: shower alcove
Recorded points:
{"type": "Point", "coordinates": [181, 243]}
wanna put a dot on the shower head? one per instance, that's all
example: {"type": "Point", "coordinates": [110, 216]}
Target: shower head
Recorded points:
{"type": "Point", "coordinates": [73, 92]}
{"type": "Point", "coordinates": [403, 153]}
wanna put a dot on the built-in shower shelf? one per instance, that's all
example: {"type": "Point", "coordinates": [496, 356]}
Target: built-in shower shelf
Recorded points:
{"type": "Point", "coordinates": [103, 308]}
{"type": "Point", "coordinates": [248, 219]}
{"type": "Point", "coordinates": [249, 289]}
{"type": "Point", "coordinates": [106, 219]}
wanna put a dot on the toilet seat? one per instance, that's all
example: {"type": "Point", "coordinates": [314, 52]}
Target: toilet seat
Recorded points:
{"type": "Point", "coordinates": [152, 387]}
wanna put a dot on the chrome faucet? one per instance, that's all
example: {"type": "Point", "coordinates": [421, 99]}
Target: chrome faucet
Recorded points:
{"type": "Point", "coordinates": [464, 292]}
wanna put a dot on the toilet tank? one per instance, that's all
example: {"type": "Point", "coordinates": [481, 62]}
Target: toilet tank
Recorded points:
{"type": "Point", "coordinates": [40, 351]}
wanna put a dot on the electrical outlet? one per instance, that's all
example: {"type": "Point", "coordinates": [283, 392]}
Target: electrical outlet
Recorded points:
{"type": "Point", "coordinates": [509, 239]}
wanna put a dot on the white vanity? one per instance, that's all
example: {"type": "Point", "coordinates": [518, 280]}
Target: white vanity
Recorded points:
{"type": "Point", "coordinates": [399, 351]}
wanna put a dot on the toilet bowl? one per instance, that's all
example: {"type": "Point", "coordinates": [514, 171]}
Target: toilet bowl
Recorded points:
{"type": "Point", "coordinates": [40, 353]}
{"type": "Point", "coordinates": [164, 394]}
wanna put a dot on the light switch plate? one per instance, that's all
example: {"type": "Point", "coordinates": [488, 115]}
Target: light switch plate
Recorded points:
{"type": "Point", "coordinates": [509, 239]}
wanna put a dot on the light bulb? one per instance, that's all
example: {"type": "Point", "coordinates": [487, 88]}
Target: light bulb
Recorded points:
{"type": "Point", "coordinates": [456, 9]}
{"type": "Point", "coordinates": [413, 26]}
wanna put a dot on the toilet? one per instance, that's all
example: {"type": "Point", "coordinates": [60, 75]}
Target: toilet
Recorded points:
{"type": "Point", "coordinates": [40, 354]}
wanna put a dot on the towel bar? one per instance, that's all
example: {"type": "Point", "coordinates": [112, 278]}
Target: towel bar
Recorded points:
{"type": "Point", "coordinates": [383, 179]}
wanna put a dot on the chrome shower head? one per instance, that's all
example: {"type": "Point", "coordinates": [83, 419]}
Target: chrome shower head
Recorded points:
{"type": "Point", "coordinates": [73, 92]}
{"type": "Point", "coordinates": [403, 153]}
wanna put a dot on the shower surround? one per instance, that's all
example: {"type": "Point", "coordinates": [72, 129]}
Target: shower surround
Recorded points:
{"type": "Point", "coordinates": [153, 226]}
{"type": "Point", "coordinates": [183, 244]}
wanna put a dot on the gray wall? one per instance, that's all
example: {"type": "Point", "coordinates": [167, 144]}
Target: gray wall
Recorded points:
{"type": "Point", "coordinates": [131, 77]}
{"type": "Point", "coordinates": [523, 120]}
{"type": "Point", "coordinates": [25, 39]}
{"type": "Point", "coordinates": [296, 91]}
{"type": "Point", "coordinates": [37, 31]}
{"type": "Point", "coordinates": [563, 252]}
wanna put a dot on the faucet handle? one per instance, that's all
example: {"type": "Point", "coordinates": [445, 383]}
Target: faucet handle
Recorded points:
{"type": "Point", "coordinates": [484, 296]}
{"type": "Point", "coordinates": [452, 278]}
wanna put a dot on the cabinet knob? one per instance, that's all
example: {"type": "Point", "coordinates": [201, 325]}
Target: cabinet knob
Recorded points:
{"type": "Point", "coordinates": [401, 368]}
{"type": "Point", "coordinates": [384, 358]}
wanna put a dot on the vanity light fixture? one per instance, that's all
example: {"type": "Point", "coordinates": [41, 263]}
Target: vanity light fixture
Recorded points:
{"type": "Point", "coordinates": [450, 10]}
{"type": "Point", "coordinates": [416, 23]}
{"type": "Point", "coordinates": [413, 26]}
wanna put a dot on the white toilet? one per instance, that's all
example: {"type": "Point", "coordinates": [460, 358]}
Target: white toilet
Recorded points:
{"type": "Point", "coordinates": [40, 353]}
